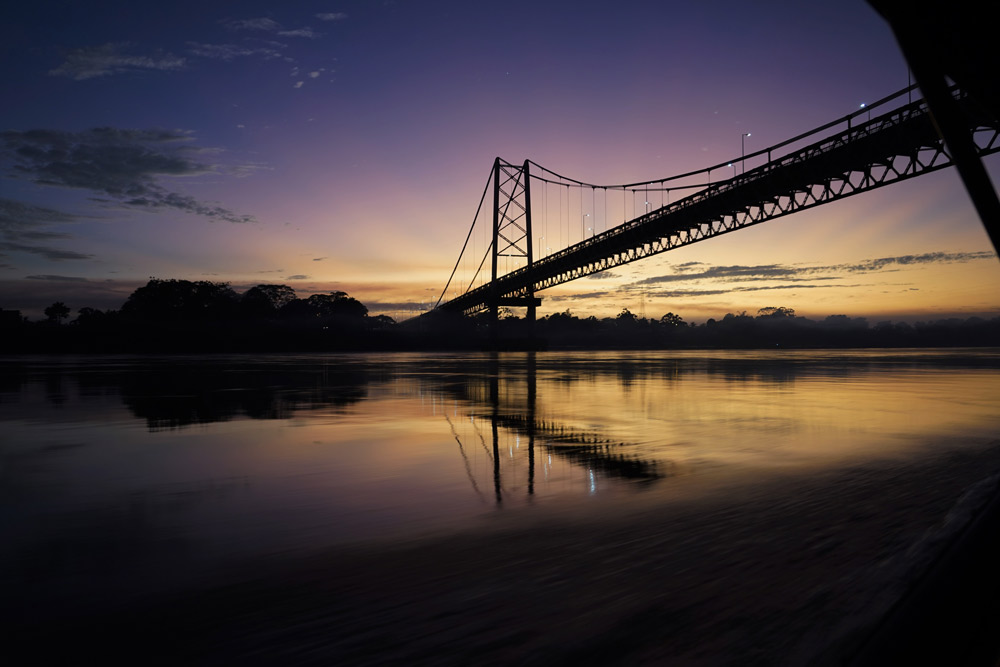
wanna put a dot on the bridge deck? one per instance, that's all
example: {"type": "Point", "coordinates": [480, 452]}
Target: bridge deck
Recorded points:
{"type": "Point", "coordinates": [895, 146]}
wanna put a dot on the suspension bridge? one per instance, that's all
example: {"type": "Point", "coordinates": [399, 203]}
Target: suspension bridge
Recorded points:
{"type": "Point", "coordinates": [892, 140]}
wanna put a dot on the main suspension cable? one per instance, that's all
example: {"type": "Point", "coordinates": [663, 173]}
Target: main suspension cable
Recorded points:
{"type": "Point", "coordinates": [467, 237]}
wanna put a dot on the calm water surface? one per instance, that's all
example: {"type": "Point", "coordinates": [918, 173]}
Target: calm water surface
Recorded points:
{"type": "Point", "coordinates": [117, 464]}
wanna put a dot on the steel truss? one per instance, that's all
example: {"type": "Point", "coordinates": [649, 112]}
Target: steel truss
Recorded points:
{"type": "Point", "coordinates": [511, 234]}
{"type": "Point", "coordinates": [896, 146]}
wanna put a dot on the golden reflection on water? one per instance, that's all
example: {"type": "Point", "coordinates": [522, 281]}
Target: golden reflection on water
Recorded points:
{"type": "Point", "coordinates": [326, 449]}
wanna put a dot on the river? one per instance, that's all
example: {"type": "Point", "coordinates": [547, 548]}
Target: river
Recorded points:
{"type": "Point", "coordinates": [127, 479]}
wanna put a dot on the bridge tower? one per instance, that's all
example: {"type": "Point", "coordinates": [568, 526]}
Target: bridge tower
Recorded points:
{"type": "Point", "coordinates": [511, 233]}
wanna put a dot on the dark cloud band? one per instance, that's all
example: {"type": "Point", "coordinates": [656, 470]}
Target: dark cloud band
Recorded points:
{"type": "Point", "coordinates": [124, 164]}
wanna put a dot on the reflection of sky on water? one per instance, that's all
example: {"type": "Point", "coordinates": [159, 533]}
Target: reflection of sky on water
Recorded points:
{"type": "Point", "coordinates": [122, 461]}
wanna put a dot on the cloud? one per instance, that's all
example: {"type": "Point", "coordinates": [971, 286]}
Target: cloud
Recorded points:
{"type": "Point", "coordinates": [37, 235]}
{"type": "Point", "coordinates": [318, 259]}
{"type": "Point", "coordinates": [331, 16]}
{"type": "Point", "coordinates": [264, 24]}
{"type": "Point", "coordinates": [300, 32]}
{"type": "Point", "coordinates": [17, 217]}
{"type": "Point", "coordinates": [66, 279]}
{"type": "Point", "coordinates": [49, 253]}
{"type": "Point", "coordinates": [796, 273]}
{"type": "Point", "coordinates": [21, 222]}
{"type": "Point", "coordinates": [882, 263]}
{"type": "Point", "coordinates": [582, 295]}
{"type": "Point", "coordinates": [693, 293]}
{"type": "Point", "coordinates": [230, 52]}
{"type": "Point", "coordinates": [126, 165]}
{"type": "Point", "coordinates": [761, 272]}
{"type": "Point", "coordinates": [298, 277]}
{"type": "Point", "coordinates": [382, 306]}
{"type": "Point", "coordinates": [298, 84]}
{"type": "Point", "coordinates": [97, 61]}
{"type": "Point", "coordinates": [190, 205]}
{"type": "Point", "coordinates": [269, 25]}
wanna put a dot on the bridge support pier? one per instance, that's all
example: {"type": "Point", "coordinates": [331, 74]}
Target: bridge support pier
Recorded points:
{"type": "Point", "coordinates": [952, 42]}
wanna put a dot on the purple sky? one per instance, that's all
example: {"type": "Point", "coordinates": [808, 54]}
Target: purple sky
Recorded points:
{"type": "Point", "coordinates": [345, 145]}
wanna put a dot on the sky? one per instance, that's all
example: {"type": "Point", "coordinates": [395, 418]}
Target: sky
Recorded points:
{"type": "Point", "coordinates": [345, 145]}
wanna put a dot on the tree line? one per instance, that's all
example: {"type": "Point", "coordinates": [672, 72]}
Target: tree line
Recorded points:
{"type": "Point", "coordinates": [183, 315]}
{"type": "Point", "coordinates": [770, 327]}
{"type": "Point", "coordinates": [173, 314]}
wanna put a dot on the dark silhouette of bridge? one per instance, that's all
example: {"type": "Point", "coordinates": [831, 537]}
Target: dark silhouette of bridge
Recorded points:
{"type": "Point", "coordinates": [892, 140]}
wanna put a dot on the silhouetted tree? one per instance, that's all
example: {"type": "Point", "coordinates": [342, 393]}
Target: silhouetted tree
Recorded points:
{"type": "Point", "coordinates": [57, 312]}
{"type": "Point", "coordinates": [181, 300]}
{"type": "Point", "coordinates": [626, 317]}
{"type": "Point", "coordinates": [92, 317]}
{"type": "Point", "coordinates": [780, 311]}
{"type": "Point", "coordinates": [266, 300]}
{"type": "Point", "coordinates": [381, 322]}
{"type": "Point", "coordinates": [11, 319]}
{"type": "Point", "coordinates": [671, 320]}
{"type": "Point", "coordinates": [323, 307]}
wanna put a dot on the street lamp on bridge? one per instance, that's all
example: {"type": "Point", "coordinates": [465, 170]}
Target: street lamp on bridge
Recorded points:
{"type": "Point", "coordinates": [743, 150]}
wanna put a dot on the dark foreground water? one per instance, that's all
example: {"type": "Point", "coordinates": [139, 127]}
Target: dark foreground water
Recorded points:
{"type": "Point", "coordinates": [392, 494]}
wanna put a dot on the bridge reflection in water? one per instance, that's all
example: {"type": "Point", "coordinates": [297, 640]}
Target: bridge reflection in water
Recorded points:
{"type": "Point", "coordinates": [506, 396]}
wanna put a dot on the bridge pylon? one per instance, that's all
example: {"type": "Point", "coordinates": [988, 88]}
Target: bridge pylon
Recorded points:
{"type": "Point", "coordinates": [511, 234]}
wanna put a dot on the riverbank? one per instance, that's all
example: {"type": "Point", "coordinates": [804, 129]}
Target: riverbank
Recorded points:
{"type": "Point", "coordinates": [791, 570]}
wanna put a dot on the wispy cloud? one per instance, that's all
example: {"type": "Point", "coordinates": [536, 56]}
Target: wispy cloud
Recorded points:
{"type": "Point", "coordinates": [269, 25]}
{"type": "Point", "coordinates": [126, 165]}
{"type": "Point", "coordinates": [759, 272]}
{"type": "Point", "coordinates": [331, 16]}
{"type": "Point", "coordinates": [693, 280]}
{"type": "Point", "coordinates": [261, 24]}
{"type": "Point", "coordinates": [883, 263]}
{"type": "Point", "coordinates": [24, 225]}
{"type": "Point", "coordinates": [581, 295]}
{"type": "Point", "coordinates": [230, 52]}
{"type": "Point", "coordinates": [298, 277]}
{"type": "Point", "coordinates": [64, 279]}
{"type": "Point", "coordinates": [54, 254]}
{"type": "Point", "coordinates": [695, 293]}
{"type": "Point", "coordinates": [408, 306]}
{"type": "Point", "coordinates": [695, 271]}
{"type": "Point", "coordinates": [308, 33]}
{"type": "Point", "coordinates": [108, 59]}
{"type": "Point", "coordinates": [18, 217]}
